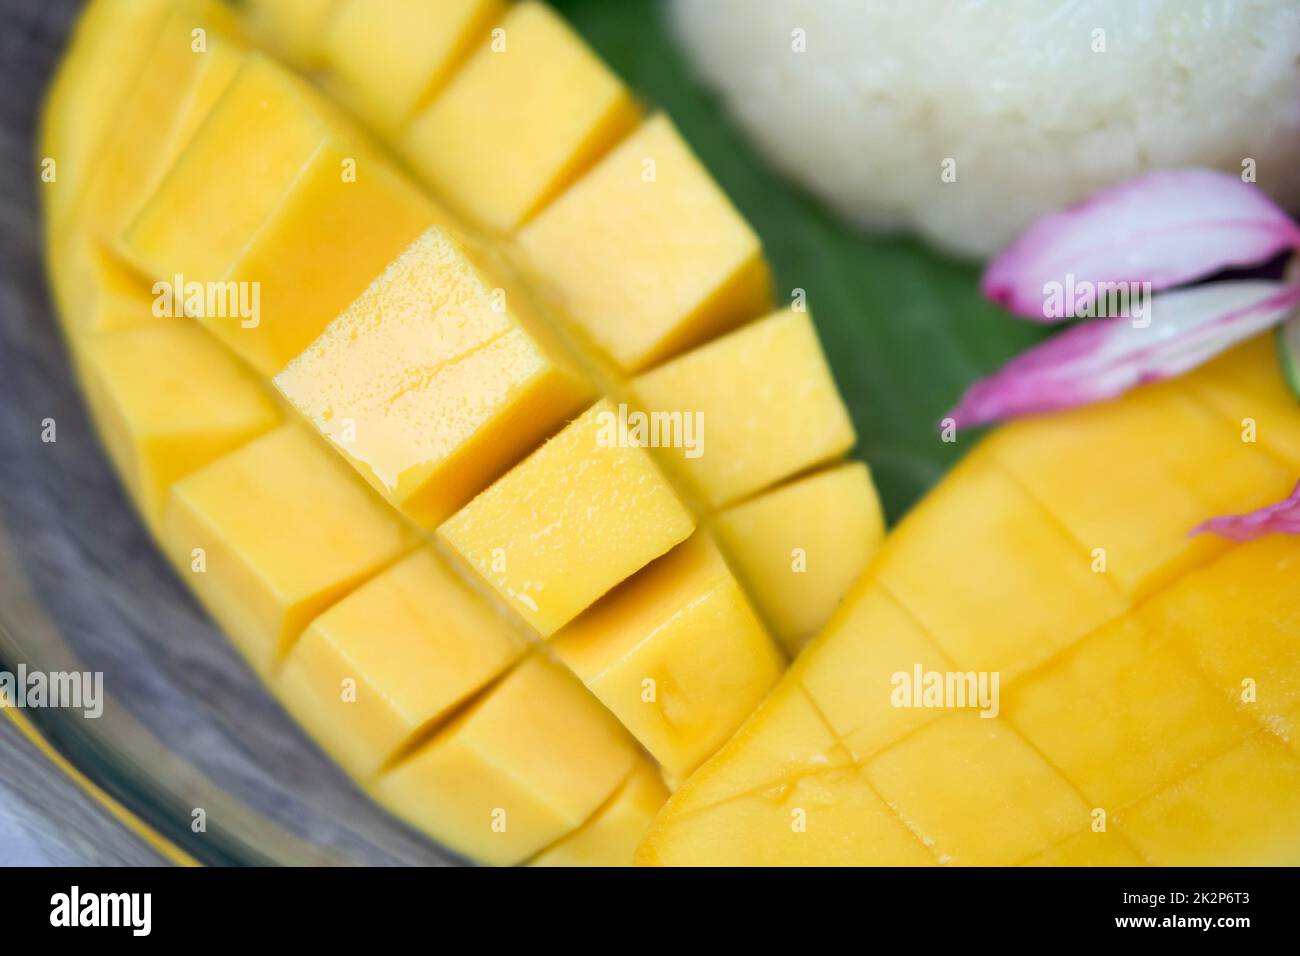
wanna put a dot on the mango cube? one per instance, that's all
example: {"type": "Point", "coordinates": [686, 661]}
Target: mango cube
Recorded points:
{"type": "Point", "coordinates": [168, 399]}
{"type": "Point", "coordinates": [272, 534]}
{"type": "Point", "coordinates": [96, 292]}
{"type": "Point", "coordinates": [1089, 848]}
{"type": "Point", "coordinates": [294, 30]}
{"type": "Point", "coordinates": [800, 547]}
{"type": "Point", "coordinates": [298, 215]}
{"type": "Point", "coordinates": [1122, 715]}
{"type": "Point", "coordinates": [531, 109]}
{"type": "Point", "coordinates": [1243, 808]}
{"type": "Point", "coordinates": [977, 792]}
{"type": "Point", "coordinates": [523, 766]}
{"type": "Point", "coordinates": [676, 653]}
{"type": "Point", "coordinates": [767, 403]}
{"type": "Point", "coordinates": [434, 381]}
{"type": "Point", "coordinates": [610, 838]}
{"type": "Point", "coordinates": [391, 659]}
{"type": "Point", "coordinates": [1009, 544]}
{"type": "Point", "coordinates": [645, 254]}
{"type": "Point", "coordinates": [575, 518]}
{"type": "Point", "coordinates": [388, 57]}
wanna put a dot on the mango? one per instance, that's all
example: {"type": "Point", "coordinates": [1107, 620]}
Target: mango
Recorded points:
{"type": "Point", "coordinates": [168, 399]}
{"type": "Point", "coordinates": [293, 30]}
{"type": "Point", "coordinates": [676, 653]}
{"type": "Point", "coordinates": [575, 518]}
{"type": "Point", "coordinates": [767, 402]}
{"type": "Point", "coordinates": [390, 660]}
{"type": "Point", "coordinates": [272, 534]}
{"type": "Point", "coordinates": [799, 548]}
{"type": "Point", "coordinates": [527, 763]}
{"type": "Point", "coordinates": [611, 836]}
{"type": "Point", "coordinates": [645, 254]}
{"type": "Point", "coordinates": [299, 214]}
{"type": "Point", "coordinates": [531, 110]}
{"type": "Point", "coordinates": [435, 380]}
{"type": "Point", "coordinates": [1144, 709]}
{"type": "Point", "coordinates": [385, 58]}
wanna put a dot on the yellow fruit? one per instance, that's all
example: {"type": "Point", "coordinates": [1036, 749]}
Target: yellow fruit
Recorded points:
{"type": "Point", "coordinates": [645, 254]}
{"type": "Point", "coordinates": [611, 836]}
{"type": "Point", "coordinates": [575, 518]}
{"type": "Point", "coordinates": [676, 653]}
{"type": "Point", "coordinates": [293, 30]}
{"type": "Point", "coordinates": [799, 548]}
{"type": "Point", "coordinates": [1144, 710]}
{"type": "Point", "coordinates": [434, 381]}
{"type": "Point", "coordinates": [531, 110]}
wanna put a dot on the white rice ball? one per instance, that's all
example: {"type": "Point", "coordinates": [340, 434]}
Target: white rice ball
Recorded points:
{"type": "Point", "coordinates": [1030, 103]}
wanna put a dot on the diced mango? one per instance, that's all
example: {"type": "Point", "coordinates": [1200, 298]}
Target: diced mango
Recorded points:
{"type": "Point", "coordinates": [388, 57]}
{"type": "Point", "coordinates": [676, 653]}
{"type": "Point", "coordinates": [767, 403]}
{"type": "Point", "coordinates": [298, 214]}
{"type": "Point", "coordinates": [831, 818]}
{"type": "Point", "coordinates": [96, 292]}
{"type": "Point", "coordinates": [1239, 809]}
{"type": "Point", "coordinates": [610, 838]}
{"type": "Point", "coordinates": [976, 792]}
{"type": "Point", "coordinates": [575, 518]}
{"type": "Point", "coordinates": [293, 30]}
{"type": "Point", "coordinates": [1156, 445]}
{"type": "Point", "coordinates": [849, 672]}
{"type": "Point", "coordinates": [1089, 848]}
{"type": "Point", "coordinates": [434, 381]}
{"type": "Point", "coordinates": [168, 399]}
{"type": "Point", "coordinates": [526, 764]}
{"type": "Point", "coordinates": [800, 547]}
{"type": "Point", "coordinates": [392, 659]}
{"type": "Point", "coordinates": [997, 540]}
{"type": "Point", "coordinates": [531, 110]}
{"type": "Point", "coordinates": [272, 534]}
{"type": "Point", "coordinates": [1121, 715]}
{"type": "Point", "coordinates": [785, 738]}
{"type": "Point", "coordinates": [644, 252]}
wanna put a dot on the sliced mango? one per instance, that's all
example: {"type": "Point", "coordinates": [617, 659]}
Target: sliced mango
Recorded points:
{"type": "Point", "coordinates": [393, 658]}
{"type": "Point", "coordinates": [645, 254]}
{"type": "Point", "coordinates": [293, 30]}
{"type": "Point", "coordinates": [298, 213]}
{"type": "Point", "coordinates": [531, 110]}
{"type": "Point", "coordinates": [529, 762]}
{"type": "Point", "coordinates": [676, 653]}
{"type": "Point", "coordinates": [272, 534]}
{"type": "Point", "coordinates": [571, 521]}
{"type": "Point", "coordinates": [610, 838]}
{"type": "Point", "coordinates": [799, 548]}
{"type": "Point", "coordinates": [385, 58]}
{"type": "Point", "coordinates": [434, 381]}
{"type": "Point", "coordinates": [169, 399]}
{"type": "Point", "coordinates": [767, 402]}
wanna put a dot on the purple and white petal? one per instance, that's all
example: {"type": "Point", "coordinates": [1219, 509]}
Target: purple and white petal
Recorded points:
{"type": "Point", "coordinates": [1280, 518]}
{"type": "Point", "coordinates": [1166, 228]}
{"type": "Point", "coordinates": [1104, 358]}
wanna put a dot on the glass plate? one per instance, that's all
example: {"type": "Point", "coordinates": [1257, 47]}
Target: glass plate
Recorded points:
{"type": "Point", "coordinates": [186, 725]}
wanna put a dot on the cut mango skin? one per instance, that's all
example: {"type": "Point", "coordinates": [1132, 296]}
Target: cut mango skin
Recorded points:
{"type": "Point", "coordinates": [1144, 713]}
{"type": "Point", "coordinates": [259, 158]}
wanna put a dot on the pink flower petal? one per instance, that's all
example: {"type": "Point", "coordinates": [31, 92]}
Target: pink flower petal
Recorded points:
{"type": "Point", "coordinates": [1101, 359]}
{"type": "Point", "coordinates": [1166, 228]}
{"type": "Point", "coordinates": [1280, 518]}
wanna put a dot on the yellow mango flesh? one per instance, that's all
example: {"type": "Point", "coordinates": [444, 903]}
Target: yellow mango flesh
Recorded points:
{"type": "Point", "coordinates": [610, 837]}
{"type": "Point", "coordinates": [295, 209]}
{"type": "Point", "coordinates": [676, 653]}
{"type": "Point", "coordinates": [169, 399]}
{"type": "Point", "coordinates": [285, 529]}
{"type": "Point", "coordinates": [293, 30]}
{"type": "Point", "coordinates": [384, 58]}
{"type": "Point", "coordinates": [799, 548]}
{"type": "Point", "coordinates": [568, 523]}
{"type": "Point", "coordinates": [523, 766]}
{"type": "Point", "coordinates": [430, 383]}
{"type": "Point", "coordinates": [645, 254]}
{"type": "Point", "coordinates": [530, 110]}
{"type": "Point", "coordinates": [1143, 717]}
{"type": "Point", "coordinates": [97, 292]}
{"type": "Point", "coordinates": [768, 405]}
{"type": "Point", "coordinates": [393, 658]}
